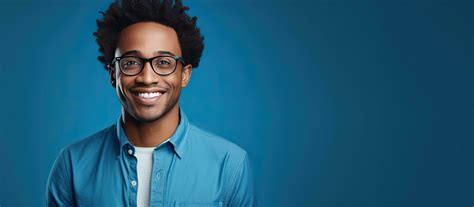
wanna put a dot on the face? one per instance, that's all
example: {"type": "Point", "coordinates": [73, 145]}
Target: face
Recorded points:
{"type": "Point", "coordinates": [147, 97]}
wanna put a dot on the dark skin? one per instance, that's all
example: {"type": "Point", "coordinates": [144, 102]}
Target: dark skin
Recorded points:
{"type": "Point", "coordinates": [149, 122]}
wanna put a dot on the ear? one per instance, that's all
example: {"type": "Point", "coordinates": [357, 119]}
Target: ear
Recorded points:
{"type": "Point", "coordinates": [186, 75]}
{"type": "Point", "coordinates": [111, 74]}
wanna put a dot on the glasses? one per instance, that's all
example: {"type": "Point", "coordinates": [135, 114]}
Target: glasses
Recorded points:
{"type": "Point", "coordinates": [162, 65]}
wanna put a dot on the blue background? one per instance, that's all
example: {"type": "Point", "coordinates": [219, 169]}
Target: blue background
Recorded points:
{"type": "Point", "coordinates": [339, 103]}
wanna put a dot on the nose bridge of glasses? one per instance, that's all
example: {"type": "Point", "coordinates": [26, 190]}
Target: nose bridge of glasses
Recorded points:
{"type": "Point", "coordinates": [148, 67]}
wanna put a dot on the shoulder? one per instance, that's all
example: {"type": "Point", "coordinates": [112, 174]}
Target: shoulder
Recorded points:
{"type": "Point", "coordinates": [209, 149]}
{"type": "Point", "coordinates": [80, 153]}
{"type": "Point", "coordinates": [213, 151]}
{"type": "Point", "coordinates": [210, 141]}
{"type": "Point", "coordinates": [91, 143]}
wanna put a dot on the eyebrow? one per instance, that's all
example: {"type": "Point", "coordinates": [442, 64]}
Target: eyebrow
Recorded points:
{"type": "Point", "coordinates": [164, 53]}
{"type": "Point", "coordinates": [160, 52]}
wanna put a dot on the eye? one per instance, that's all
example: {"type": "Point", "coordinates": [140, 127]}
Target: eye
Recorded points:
{"type": "Point", "coordinates": [163, 62]}
{"type": "Point", "coordinates": [131, 62]}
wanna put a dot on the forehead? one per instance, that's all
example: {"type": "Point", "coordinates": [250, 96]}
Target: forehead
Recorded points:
{"type": "Point", "coordinates": [147, 38]}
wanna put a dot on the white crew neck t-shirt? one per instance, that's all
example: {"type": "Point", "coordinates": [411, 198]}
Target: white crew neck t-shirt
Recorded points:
{"type": "Point", "coordinates": [144, 157]}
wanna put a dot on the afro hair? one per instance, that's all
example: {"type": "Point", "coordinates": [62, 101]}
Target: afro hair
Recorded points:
{"type": "Point", "coordinates": [121, 14]}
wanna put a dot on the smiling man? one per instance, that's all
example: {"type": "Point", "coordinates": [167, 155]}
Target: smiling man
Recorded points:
{"type": "Point", "coordinates": [152, 155]}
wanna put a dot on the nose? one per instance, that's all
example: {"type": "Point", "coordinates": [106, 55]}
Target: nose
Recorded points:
{"type": "Point", "coordinates": [147, 76]}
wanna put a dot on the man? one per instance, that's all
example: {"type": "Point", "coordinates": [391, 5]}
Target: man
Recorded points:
{"type": "Point", "coordinates": [152, 156]}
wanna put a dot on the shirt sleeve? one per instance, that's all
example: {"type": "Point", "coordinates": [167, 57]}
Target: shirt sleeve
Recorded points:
{"type": "Point", "coordinates": [59, 188]}
{"type": "Point", "coordinates": [243, 189]}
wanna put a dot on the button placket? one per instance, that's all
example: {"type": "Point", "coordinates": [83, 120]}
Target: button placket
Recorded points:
{"type": "Point", "coordinates": [133, 168]}
{"type": "Point", "coordinates": [132, 181]}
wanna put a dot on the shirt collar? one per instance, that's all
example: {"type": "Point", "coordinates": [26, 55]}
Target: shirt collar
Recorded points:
{"type": "Point", "coordinates": [178, 139]}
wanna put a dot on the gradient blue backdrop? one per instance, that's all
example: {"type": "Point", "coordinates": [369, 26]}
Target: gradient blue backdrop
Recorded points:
{"type": "Point", "coordinates": [339, 103]}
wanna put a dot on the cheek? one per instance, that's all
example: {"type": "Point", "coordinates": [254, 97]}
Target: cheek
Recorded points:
{"type": "Point", "coordinates": [121, 88]}
{"type": "Point", "coordinates": [176, 84]}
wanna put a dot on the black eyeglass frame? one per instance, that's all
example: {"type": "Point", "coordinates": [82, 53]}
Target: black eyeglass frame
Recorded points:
{"type": "Point", "coordinates": [150, 60]}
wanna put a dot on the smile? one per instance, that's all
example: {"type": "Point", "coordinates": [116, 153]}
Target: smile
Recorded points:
{"type": "Point", "coordinates": [149, 95]}
{"type": "Point", "coordinates": [148, 98]}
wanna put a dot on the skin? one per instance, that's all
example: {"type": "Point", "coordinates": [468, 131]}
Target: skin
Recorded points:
{"type": "Point", "coordinates": [148, 125]}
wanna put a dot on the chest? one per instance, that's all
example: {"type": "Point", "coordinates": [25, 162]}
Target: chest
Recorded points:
{"type": "Point", "coordinates": [172, 182]}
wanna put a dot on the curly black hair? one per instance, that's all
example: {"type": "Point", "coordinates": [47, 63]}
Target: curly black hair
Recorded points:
{"type": "Point", "coordinates": [167, 12]}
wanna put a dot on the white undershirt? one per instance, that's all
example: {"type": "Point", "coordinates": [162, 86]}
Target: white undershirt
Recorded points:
{"type": "Point", "coordinates": [144, 157]}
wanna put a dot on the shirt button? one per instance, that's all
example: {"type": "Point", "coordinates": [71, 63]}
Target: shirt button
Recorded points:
{"type": "Point", "coordinates": [158, 175]}
{"type": "Point", "coordinates": [130, 151]}
{"type": "Point", "coordinates": [134, 183]}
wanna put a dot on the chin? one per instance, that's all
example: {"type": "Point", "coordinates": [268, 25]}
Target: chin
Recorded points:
{"type": "Point", "coordinates": [148, 116]}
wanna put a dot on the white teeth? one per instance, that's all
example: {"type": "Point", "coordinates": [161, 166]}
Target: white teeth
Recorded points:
{"type": "Point", "coordinates": [149, 95]}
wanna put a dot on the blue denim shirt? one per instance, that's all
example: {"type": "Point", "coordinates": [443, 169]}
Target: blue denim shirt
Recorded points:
{"type": "Point", "coordinates": [193, 168]}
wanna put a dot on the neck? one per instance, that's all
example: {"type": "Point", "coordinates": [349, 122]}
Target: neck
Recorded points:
{"type": "Point", "coordinates": [151, 134]}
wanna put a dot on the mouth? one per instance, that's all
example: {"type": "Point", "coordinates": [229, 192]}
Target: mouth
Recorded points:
{"type": "Point", "coordinates": [147, 97]}
{"type": "Point", "coordinates": [151, 95]}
